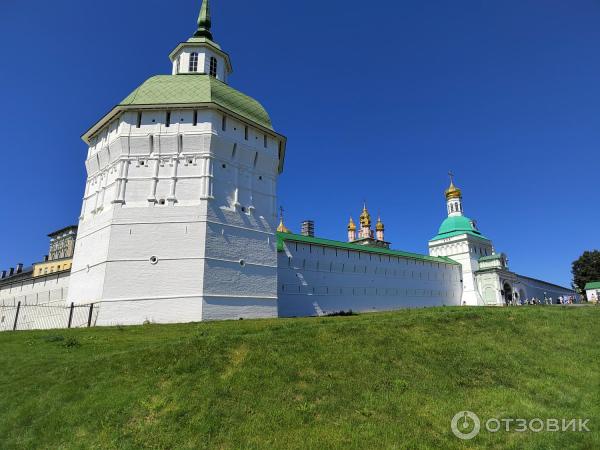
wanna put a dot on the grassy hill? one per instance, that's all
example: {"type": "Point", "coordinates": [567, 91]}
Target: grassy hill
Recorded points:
{"type": "Point", "coordinates": [392, 380]}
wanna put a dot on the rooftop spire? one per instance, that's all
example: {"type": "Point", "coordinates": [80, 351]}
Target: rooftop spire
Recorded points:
{"type": "Point", "coordinates": [204, 21]}
{"type": "Point", "coordinates": [282, 228]}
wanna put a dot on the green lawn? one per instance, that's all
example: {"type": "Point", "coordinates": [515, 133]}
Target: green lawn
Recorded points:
{"type": "Point", "coordinates": [392, 380]}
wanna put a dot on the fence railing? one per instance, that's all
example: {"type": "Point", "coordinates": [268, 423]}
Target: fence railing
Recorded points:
{"type": "Point", "coordinates": [46, 317]}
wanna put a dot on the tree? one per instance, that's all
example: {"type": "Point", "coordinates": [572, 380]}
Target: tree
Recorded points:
{"type": "Point", "coordinates": [586, 269]}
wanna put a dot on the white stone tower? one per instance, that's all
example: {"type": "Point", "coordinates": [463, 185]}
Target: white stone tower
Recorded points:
{"type": "Point", "coordinates": [458, 238]}
{"type": "Point", "coordinates": [179, 212]}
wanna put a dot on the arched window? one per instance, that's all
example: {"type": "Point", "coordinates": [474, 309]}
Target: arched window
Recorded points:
{"type": "Point", "coordinates": [194, 62]}
{"type": "Point", "coordinates": [212, 69]}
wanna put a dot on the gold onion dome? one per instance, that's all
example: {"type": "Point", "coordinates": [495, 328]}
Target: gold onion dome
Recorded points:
{"type": "Point", "coordinates": [379, 226]}
{"type": "Point", "coordinates": [453, 192]}
{"type": "Point", "coordinates": [282, 228]}
{"type": "Point", "coordinates": [365, 217]}
{"type": "Point", "coordinates": [351, 225]}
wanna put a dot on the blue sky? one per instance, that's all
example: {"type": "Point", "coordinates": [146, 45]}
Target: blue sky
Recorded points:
{"type": "Point", "coordinates": [378, 100]}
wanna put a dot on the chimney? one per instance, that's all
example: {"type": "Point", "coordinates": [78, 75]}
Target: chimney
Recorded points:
{"type": "Point", "coordinates": [3, 274]}
{"type": "Point", "coordinates": [19, 267]}
{"type": "Point", "coordinates": [308, 228]}
{"type": "Point", "coordinates": [11, 271]}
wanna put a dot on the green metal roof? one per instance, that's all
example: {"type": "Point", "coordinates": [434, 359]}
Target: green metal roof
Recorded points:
{"type": "Point", "coordinates": [191, 89]}
{"type": "Point", "coordinates": [281, 237]}
{"type": "Point", "coordinates": [455, 226]}
{"type": "Point", "coordinates": [592, 285]}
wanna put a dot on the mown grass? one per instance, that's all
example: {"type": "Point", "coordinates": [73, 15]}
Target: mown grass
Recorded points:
{"type": "Point", "coordinates": [392, 380]}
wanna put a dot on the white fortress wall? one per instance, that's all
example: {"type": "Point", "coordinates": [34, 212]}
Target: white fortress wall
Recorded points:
{"type": "Point", "coordinates": [42, 301]}
{"type": "Point", "coordinates": [139, 233]}
{"type": "Point", "coordinates": [532, 287]}
{"type": "Point", "coordinates": [316, 280]}
{"type": "Point", "coordinates": [46, 289]}
{"type": "Point", "coordinates": [241, 248]}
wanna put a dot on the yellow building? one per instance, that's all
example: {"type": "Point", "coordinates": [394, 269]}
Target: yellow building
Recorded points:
{"type": "Point", "coordinates": [60, 255]}
{"type": "Point", "coordinates": [46, 267]}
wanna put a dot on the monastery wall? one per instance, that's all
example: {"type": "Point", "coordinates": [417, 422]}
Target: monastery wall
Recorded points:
{"type": "Point", "coordinates": [41, 290]}
{"type": "Point", "coordinates": [316, 280]}
{"type": "Point", "coordinates": [530, 287]}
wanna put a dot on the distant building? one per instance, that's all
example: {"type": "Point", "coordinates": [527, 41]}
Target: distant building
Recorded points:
{"type": "Point", "coordinates": [60, 255]}
{"type": "Point", "coordinates": [44, 282]}
{"type": "Point", "coordinates": [592, 291]}
{"type": "Point", "coordinates": [487, 280]}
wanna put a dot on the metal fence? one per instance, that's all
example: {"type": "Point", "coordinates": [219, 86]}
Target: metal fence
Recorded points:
{"type": "Point", "coordinates": [47, 317]}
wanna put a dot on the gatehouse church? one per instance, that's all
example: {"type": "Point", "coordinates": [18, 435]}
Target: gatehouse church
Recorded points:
{"type": "Point", "coordinates": [179, 221]}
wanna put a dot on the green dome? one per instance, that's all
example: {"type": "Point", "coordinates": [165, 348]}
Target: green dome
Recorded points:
{"type": "Point", "coordinates": [188, 89]}
{"type": "Point", "coordinates": [454, 226]}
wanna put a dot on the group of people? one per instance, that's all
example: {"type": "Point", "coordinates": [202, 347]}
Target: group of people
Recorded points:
{"type": "Point", "coordinates": [562, 300]}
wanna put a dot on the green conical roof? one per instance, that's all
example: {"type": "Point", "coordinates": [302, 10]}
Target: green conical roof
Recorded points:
{"type": "Point", "coordinates": [204, 21]}
{"type": "Point", "coordinates": [454, 226]}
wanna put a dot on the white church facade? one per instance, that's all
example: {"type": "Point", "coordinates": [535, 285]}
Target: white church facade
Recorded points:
{"type": "Point", "coordinates": [179, 220]}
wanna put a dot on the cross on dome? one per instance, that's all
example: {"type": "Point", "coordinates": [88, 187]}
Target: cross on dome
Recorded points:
{"type": "Point", "coordinates": [282, 228]}
{"type": "Point", "coordinates": [452, 191]}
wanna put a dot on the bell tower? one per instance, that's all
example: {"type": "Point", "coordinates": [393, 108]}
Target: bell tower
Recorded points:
{"type": "Point", "coordinates": [460, 239]}
{"type": "Point", "coordinates": [453, 199]}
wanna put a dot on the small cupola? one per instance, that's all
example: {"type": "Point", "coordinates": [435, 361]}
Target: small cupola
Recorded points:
{"type": "Point", "coordinates": [453, 199]}
{"type": "Point", "coordinates": [200, 55]}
